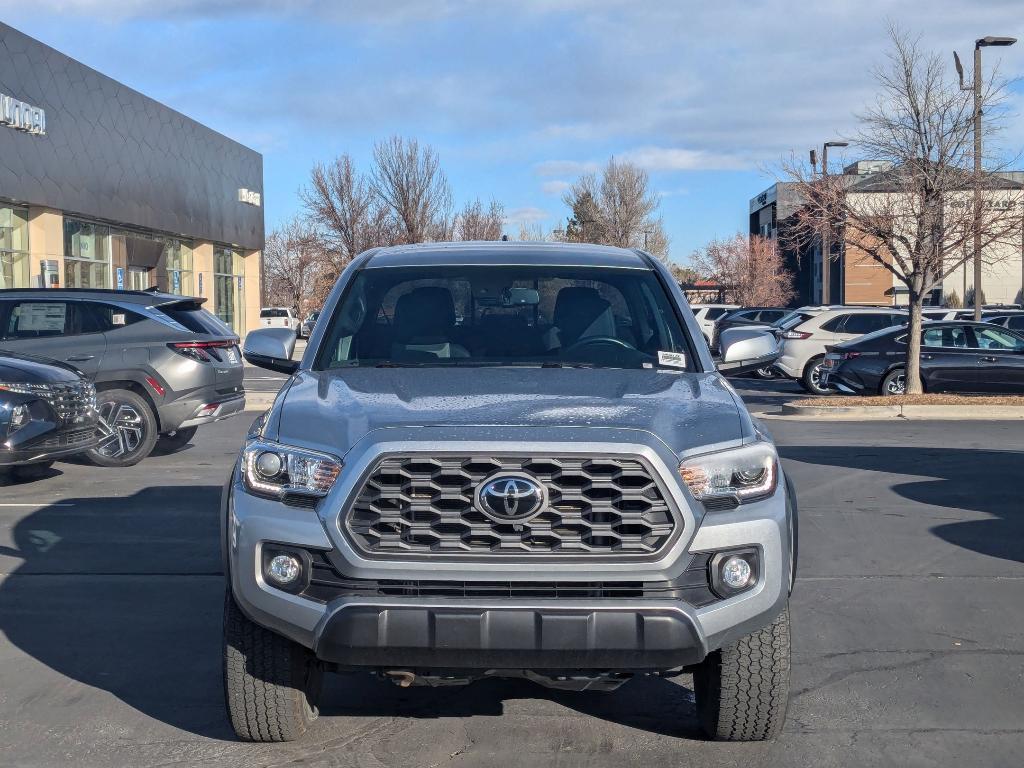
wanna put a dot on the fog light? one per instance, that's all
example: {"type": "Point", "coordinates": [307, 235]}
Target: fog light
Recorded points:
{"type": "Point", "coordinates": [736, 573]}
{"type": "Point", "coordinates": [284, 569]}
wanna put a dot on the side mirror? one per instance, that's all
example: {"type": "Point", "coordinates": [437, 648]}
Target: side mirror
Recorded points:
{"type": "Point", "coordinates": [747, 349]}
{"type": "Point", "coordinates": [271, 348]}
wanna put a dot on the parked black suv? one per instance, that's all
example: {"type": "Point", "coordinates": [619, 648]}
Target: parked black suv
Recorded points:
{"type": "Point", "coordinates": [161, 364]}
{"type": "Point", "coordinates": [47, 410]}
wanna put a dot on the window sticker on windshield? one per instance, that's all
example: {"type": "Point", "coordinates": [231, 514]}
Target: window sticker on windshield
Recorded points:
{"type": "Point", "coordinates": [673, 359]}
{"type": "Point", "coordinates": [41, 317]}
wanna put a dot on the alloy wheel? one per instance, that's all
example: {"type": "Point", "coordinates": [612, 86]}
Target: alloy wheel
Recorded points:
{"type": "Point", "coordinates": [897, 385]}
{"type": "Point", "coordinates": [121, 429]}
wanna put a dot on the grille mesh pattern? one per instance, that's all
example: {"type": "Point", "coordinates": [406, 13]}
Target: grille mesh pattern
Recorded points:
{"type": "Point", "coordinates": [71, 401]}
{"type": "Point", "coordinates": [424, 505]}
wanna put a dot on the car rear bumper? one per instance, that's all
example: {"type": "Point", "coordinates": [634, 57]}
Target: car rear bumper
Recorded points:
{"type": "Point", "coordinates": [407, 633]}
{"type": "Point", "coordinates": [201, 407]}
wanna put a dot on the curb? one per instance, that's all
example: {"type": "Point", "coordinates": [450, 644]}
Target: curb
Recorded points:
{"type": "Point", "coordinates": [929, 412]}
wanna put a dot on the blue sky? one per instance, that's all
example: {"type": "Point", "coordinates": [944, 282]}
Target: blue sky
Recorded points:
{"type": "Point", "coordinates": [520, 97]}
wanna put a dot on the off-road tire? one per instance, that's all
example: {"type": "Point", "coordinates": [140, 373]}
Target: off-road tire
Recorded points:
{"type": "Point", "coordinates": [807, 380]}
{"type": "Point", "coordinates": [271, 684]}
{"type": "Point", "coordinates": [170, 442]}
{"type": "Point", "coordinates": [742, 690]}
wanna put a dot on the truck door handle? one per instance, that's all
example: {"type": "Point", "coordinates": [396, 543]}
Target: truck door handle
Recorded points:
{"type": "Point", "coordinates": [926, 357]}
{"type": "Point", "coordinates": [80, 358]}
{"type": "Point", "coordinates": [988, 359]}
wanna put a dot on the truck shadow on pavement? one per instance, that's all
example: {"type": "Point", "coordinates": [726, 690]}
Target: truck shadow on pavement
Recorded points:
{"type": "Point", "coordinates": [975, 480]}
{"type": "Point", "coordinates": [125, 594]}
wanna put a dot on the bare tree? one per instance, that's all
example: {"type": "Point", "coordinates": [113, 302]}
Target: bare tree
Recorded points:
{"type": "Point", "coordinates": [345, 210]}
{"type": "Point", "coordinates": [409, 182]}
{"type": "Point", "coordinates": [917, 219]}
{"type": "Point", "coordinates": [751, 267]}
{"type": "Point", "coordinates": [292, 258]}
{"type": "Point", "coordinates": [618, 209]}
{"type": "Point", "coordinates": [477, 223]}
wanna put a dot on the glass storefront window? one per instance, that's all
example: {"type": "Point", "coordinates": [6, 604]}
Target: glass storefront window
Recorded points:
{"type": "Point", "coordinates": [228, 287]}
{"type": "Point", "coordinates": [94, 252]}
{"type": "Point", "coordinates": [87, 250]}
{"type": "Point", "coordinates": [15, 264]}
{"type": "Point", "coordinates": [179, 267]}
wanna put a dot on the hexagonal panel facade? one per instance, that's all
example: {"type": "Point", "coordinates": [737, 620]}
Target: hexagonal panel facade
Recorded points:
{"type": "Point", "coordinates": [418, 505]}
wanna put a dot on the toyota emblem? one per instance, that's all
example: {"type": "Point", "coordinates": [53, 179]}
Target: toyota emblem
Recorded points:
{"type": "Point", "coordinates": [511, 498]}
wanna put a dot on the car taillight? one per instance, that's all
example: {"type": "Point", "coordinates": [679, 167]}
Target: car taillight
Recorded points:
{"type": "Point", "coordinates": [796, 335]}
{"type": "Point", "coordinates": [202, 351]}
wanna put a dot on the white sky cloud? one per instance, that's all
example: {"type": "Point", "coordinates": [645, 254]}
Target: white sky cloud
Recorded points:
{"type": "Point", "coordinates": [526, 215]}
{"type": "Point", "coordinates": [554, 187]}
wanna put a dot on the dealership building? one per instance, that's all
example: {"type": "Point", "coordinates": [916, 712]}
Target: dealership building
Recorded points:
{"type": "Point", "coordinates": [103, 187]}
{"type": "Point", "coordinates": [855, 277]}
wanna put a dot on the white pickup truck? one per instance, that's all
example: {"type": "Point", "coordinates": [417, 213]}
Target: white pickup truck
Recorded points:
{"type": "Point", "coordinates": [280, 317]}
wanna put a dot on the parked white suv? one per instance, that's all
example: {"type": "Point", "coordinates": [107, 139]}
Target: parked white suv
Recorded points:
{"type": "Point", "coordinates": [810, 329]}
{"type": "Point", "coordinates": [707, 314]}
{"type": "Point", "coordinates": [280, 317]}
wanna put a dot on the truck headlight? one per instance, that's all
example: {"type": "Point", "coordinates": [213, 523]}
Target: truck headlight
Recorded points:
{"type": "Point", "coordinates": [272, 469]}
{"type": "Point", "coordinates": [747, 473]}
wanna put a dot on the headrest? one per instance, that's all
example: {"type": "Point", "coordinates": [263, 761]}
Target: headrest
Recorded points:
{"type": "Point", "coordinates": [424, 312]}
{"type": "Point", "coordinates": [582, 312]}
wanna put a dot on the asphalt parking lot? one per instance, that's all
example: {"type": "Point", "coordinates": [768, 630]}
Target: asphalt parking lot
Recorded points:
{"type": "Point", "coordinates": [908, 634]}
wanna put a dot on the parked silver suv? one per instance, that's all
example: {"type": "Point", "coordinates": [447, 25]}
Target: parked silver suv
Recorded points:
{"type": "Point", "coordinates": [162, 365]}
{"type": "Point", "coordinates": [511, 460]}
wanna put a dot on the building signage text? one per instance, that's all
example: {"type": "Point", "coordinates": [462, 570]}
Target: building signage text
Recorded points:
{"type": "Point", "coordinates": [22, 116]}
{"type": "Point", "coordinates": [250, 197]}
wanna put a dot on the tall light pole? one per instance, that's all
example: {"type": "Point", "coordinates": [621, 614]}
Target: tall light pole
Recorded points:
{"type": "Point", "coordinates": [826, 243]}
{"type": "Point", "coordinates": [980, 43]}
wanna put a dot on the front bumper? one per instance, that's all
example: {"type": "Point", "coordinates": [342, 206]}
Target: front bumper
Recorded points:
{"type": "Point", "coordinates": [47, 440]}
{"type": "Point", "coordinates": [534, 633]}
{"type": "Point", "coordinates": [404, 633]}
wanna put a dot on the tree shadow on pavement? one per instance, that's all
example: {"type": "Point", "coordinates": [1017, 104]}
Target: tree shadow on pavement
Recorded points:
{"type": "Point", "coordinates": [978, 480]}
{"type": "Point", "coordinates": [125, 593]}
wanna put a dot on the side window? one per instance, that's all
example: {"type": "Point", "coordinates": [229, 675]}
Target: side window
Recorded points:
{"type": "Point", "coordinates": [714, 313]}
{"type": "Point", "coordinates": [38, 320]}
{"type": "Point", "coordinates": [866, 323]}
{"type": "Point", "coordinates": [997, 340]}
{"type": "Point", "coordinates": [1016, 323]}
{"type": "Point", "coordinates": [835, 325]}
{"type": "Point", "coordinates": [771, 315]}
{"type": "Point", "coordinates": [107, 317]}
{"type": "Point", "coordinates": [951, 337]}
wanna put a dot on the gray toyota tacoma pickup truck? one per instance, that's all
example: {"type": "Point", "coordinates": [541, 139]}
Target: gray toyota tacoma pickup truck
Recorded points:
{"type": "Point", "coordinates": [508, 460]}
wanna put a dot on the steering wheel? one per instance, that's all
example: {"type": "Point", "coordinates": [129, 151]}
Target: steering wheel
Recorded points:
{"type": "Point", "coordinates": [591, 340]}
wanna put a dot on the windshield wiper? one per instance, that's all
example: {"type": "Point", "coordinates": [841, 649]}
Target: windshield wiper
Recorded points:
{"type": "Point", "coordinates": [558, 364]}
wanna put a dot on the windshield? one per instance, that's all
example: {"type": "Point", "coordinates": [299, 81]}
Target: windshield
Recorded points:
{"type": "Point", "coordinates": [505, 316]}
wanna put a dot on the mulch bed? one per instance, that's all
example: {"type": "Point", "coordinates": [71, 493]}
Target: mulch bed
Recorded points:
{"type": "Point", "coordinates": [925, 399]}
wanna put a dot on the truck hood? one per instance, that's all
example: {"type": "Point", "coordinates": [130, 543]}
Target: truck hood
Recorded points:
{"type": "Point", "coordinates": [332, 410]}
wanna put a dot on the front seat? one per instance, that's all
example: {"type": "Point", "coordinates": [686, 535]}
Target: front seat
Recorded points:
{"type": "Point", "coordinates": [424, 325]}
{"type": "Point", "coordinates": [582, 313]}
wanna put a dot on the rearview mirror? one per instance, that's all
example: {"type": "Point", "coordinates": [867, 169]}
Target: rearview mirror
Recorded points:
{"type": "Point", "coordinates": [271, 348]}
{"type": "Point", "coordinates": [746, 349]}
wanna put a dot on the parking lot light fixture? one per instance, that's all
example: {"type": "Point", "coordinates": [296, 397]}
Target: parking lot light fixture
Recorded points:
{"type": "Point", "coordinates": [826, 244]}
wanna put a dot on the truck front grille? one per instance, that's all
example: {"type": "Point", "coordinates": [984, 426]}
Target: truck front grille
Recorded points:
{"type": "Point", "coordinates": [424, 505]}
{"type": "Point", "coordinates": [327, 583]}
